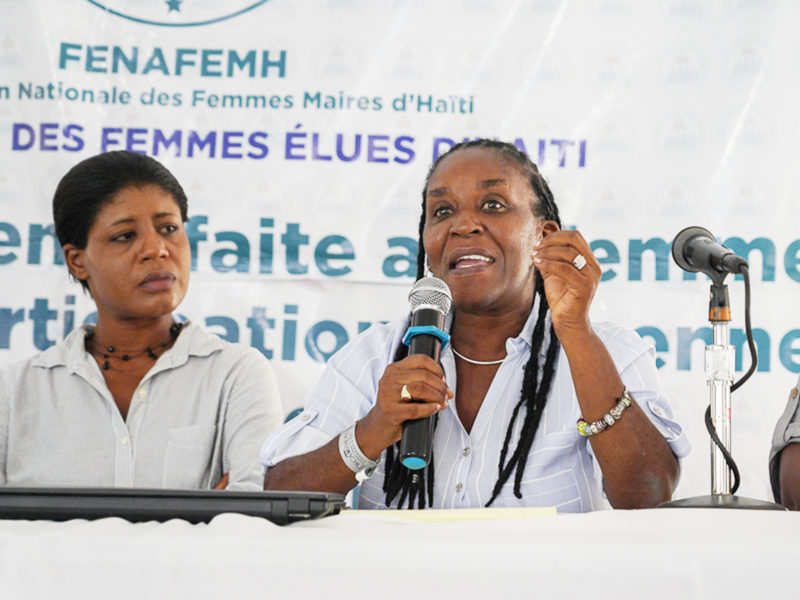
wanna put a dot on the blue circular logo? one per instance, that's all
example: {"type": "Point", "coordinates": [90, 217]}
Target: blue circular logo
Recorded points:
{"type": "Point", "coordinates": [176, 13]}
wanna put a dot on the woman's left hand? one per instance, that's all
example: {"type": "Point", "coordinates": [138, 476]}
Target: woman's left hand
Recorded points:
{"type": "Point", "coordinates": [639, 469]}
{"type": "Point", "coordinates": [569, 289]}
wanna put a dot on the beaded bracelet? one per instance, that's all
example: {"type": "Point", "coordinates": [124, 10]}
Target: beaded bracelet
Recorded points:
{"type": "Point", "coordinates": [586, 429]}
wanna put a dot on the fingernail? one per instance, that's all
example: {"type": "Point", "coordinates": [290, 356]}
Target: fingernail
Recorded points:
{"type": "Point", "coordinates": [537, 260]}
{"type": "Point", "coordinates": [535, 252]}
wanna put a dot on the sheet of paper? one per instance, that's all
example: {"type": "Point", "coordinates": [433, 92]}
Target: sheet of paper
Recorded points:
{"type": "Point", "coordinates": [460, 514]}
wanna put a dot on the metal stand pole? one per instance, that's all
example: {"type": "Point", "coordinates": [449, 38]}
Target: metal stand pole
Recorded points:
{"type": "Point", "coordinates": [720, 364]}
{"type": "Point", "coordinates": [720, 359]}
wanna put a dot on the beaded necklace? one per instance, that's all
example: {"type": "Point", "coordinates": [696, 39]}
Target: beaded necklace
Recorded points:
{"type": "Point", "coordinates": [109, 352]}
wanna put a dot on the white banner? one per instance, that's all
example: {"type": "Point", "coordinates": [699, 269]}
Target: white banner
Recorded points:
{"type": "Point", "coordinates": [302, 132]}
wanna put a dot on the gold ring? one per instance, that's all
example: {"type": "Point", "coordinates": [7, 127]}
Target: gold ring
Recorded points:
{"type": "Point", "coordinates": [404, 393]}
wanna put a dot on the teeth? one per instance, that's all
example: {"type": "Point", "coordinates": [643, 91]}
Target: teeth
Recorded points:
{"type": "Point", "coordinates": [472, 257]}
{"type": "Point", "coordinates": [475, 257]}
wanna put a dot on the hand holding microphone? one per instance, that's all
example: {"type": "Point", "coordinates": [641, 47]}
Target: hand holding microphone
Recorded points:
{"type": "Point", "coordinates": [430, 301]}
{"type": "Point", "coordinates": [412, 390]}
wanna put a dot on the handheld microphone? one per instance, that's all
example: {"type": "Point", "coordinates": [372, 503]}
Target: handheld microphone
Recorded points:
{"type": "Point", "coordinates": [695, 249]}
{"type": "Point", "coordinates": [430, 301]}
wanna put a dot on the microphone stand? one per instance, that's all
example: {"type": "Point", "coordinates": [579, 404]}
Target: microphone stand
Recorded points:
{"type": "Point", "coordinates": [720, 363]}
{"type": "Point", "coordinates": [719, 366]}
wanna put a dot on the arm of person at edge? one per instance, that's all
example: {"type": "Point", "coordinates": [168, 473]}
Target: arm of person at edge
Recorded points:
{"type": "Point", "coordinates": [789, 476]}
{"type": "Point", "coordinates": [639, 468]}
{"type": "Point", "coordinates": [324, 470]}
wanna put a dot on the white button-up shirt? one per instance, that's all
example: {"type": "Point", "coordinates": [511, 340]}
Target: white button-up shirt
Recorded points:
{"type": "Point", "coordinates": [561, 470]}
{"type": "Point", "coordinates": [202, 410]}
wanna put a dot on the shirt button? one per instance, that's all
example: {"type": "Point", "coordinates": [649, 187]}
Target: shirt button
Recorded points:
{"type": "Point", "coordinates": [465, 452]}
{"type": "Point", "coordinates": [142, 393]}
{"type": "Point", "coordinates": [658, 411]}
{"type": "Point", "coordinates": [304, 417]}
{"type": "Point", "coordinates": [459, 487]}
{"type": "Point", "coordinates": [125, 440]}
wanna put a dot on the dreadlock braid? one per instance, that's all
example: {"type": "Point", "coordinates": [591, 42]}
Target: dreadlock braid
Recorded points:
{"type": "Point", "coordinates": [417, 486]}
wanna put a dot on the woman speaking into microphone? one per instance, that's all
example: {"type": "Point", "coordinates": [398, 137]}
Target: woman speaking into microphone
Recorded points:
{"type": "Point", "coordinates": [533, 404]}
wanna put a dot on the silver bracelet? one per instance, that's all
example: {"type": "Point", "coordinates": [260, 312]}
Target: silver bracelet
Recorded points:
{"type": "Point", "coordinates": [352, 455]}
{"type": "Point", "coordinates": [586, 429]}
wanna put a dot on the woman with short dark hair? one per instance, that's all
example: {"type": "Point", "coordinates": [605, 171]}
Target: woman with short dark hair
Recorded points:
{"type": "Point", "coordinates": [139, 399]}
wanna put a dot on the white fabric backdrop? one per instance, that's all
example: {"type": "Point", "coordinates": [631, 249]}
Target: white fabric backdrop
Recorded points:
{"type": "Point", "coordinates": [646, 117]}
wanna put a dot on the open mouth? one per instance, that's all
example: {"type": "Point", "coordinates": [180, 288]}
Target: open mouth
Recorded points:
{"type": "Point", "coordinates": [470, 261]}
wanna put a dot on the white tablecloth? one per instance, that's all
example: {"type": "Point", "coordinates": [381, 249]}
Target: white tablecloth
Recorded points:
{"type": "Point", "coordinates": [660, 553]}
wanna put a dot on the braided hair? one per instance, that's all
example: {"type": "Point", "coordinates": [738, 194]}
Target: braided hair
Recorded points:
{"type": "Point", "coordinates": [414, 487]}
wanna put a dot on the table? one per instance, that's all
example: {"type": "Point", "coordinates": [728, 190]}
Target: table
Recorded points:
{"type": "Point", "coordinates": [658, 553]}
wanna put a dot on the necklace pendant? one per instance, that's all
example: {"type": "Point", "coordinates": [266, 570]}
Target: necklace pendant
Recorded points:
{"type": "Point", "coordinates": [151, 354]}
{"type": "Point", "coordinates": [106, 366]}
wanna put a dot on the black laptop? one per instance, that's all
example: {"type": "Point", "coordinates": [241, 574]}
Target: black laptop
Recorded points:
{"type": "Point", "coordinates": [195, 506]}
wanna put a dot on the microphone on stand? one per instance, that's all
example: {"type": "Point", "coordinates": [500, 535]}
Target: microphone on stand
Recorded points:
{"type": "Point", "coordinates": [430, 301]}
{"type": "Point", "coordinates": [695, 249]}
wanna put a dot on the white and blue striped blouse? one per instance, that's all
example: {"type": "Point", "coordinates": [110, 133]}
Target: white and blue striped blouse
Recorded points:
{"type": "Point", "coordinates": [561, 470]}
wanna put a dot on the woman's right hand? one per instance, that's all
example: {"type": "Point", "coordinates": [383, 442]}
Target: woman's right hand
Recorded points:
{"type": "Point", "coordinates": [383, 425]}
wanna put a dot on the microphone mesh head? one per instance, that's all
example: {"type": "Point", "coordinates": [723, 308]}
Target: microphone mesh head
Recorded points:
{"type": "Point", "coordinates": [684, 237]}
{"type": "Point", "coordinates": [431, 292]}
